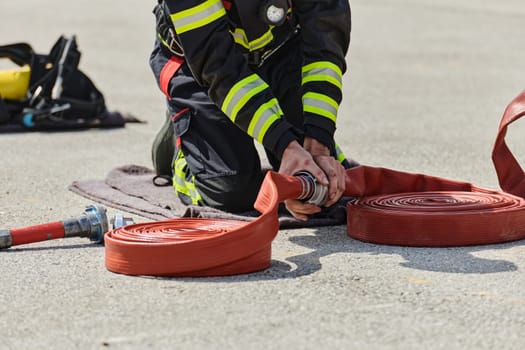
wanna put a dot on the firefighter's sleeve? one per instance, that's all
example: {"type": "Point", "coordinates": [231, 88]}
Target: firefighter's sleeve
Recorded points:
{"type": "Point", "coordinates": [325, 28]}
{"type": "Point", "coordinates": [217, 65]}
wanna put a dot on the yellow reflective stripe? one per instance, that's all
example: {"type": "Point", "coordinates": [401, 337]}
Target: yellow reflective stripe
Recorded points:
{"type": "Point", "coordinates": [181, 188]}
{"type": "Point", "coordinates": [179, 180]}
{"type": "Point", "coordinates": [261, 41]}
{"type": "Point", "coordinates": [179, 175]}
{"type": "Point", "coordinates": [188, 188]}
{"type": "Point", "coordinates": [320, 104]}
{"type": "Point", "coordinates": [193, 193]}
{"type": "Point", "coordinates": [265, 116]}
{"type": "Point", "coordinates": [323, 71]}
{"type": "Point", "coordinates": [164, 42]}
{"type": "Point", "coordinates": [239, 36]}
{"type": "Point", "coordinates": [339, 153]}
{"type": "Point", "coordinates": [180, 163]}
{"type": "Point", "coordinates": [241, 93]}
{"type": "Point", "coordinates": [198, 16]}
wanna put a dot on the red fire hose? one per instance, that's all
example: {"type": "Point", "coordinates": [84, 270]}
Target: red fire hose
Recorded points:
{"type": "Point", "coordinates": [394, 208]}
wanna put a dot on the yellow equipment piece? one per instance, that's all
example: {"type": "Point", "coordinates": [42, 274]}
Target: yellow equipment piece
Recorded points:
{"type": "Point", "coordinates": [14, 83]}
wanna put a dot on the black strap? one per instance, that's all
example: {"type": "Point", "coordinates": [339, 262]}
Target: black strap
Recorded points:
{"type": "Point", "coordinates": [166, 30]}
{"type": "Point", "coordinates": [19, 53]}
{"type": "Point", "coordinates": [4, 113]}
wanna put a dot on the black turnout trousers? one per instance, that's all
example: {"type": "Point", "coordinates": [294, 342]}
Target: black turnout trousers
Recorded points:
{"type": "Point", "coordinates": [221, 158]}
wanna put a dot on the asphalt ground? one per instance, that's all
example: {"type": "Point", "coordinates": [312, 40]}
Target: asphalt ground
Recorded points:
{"type": "Point", "coordinates": [427, 84]}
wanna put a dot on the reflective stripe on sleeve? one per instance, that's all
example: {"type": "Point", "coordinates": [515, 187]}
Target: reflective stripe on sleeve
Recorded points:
{"type": "Point", "coordinates": [339, 153]}
{"type": "Point", "coordinates": [320, 104]}
{"type": "Point", "coordinates": [241, 93]}
{"type": "Point", "coordinates": [240, 38]}
{"type": "Point", "coordinates": [263, 118]}
{"type": "Point", "coordinates": [323, 71]}
{"type": "Point", "coordinates": [198, 16]}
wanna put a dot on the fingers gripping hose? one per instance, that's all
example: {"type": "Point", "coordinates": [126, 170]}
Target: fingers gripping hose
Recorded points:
{"type": "Point", "coordinates": [394, 208]}
{"type": "Point", "coordinates": [312, 192]}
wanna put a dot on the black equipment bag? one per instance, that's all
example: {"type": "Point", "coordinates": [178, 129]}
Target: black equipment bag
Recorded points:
{"type": "Point", "coordinates": [60, 95]}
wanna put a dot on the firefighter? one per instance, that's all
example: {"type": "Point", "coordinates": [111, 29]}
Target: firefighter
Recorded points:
{"type": "Point", "coordinates": [238, 71]}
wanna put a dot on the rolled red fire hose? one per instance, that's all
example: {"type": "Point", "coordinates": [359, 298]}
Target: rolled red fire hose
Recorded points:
{"type": "Point", "coordinates": [393, 208]}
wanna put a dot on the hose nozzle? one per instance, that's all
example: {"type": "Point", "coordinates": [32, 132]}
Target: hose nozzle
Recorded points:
{"type": "Point", "coordinates": [93, 224]}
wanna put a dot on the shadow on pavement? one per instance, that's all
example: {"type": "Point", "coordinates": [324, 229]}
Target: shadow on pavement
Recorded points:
{"type": "Point", "coordinates": [447, 260]}
{"type": "Point", "coordinates": [327, 241]}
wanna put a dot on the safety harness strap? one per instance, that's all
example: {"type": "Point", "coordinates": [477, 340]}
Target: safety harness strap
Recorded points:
{"type": "Point", "coordinates": [4, 113]}
{"type": "Point", "coordinates": [19, 53]}
{"type": "Point", "coordinates": [168, 71]}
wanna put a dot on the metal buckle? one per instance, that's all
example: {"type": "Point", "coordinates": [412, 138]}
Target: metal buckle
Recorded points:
{"type": "Point", "coordinates": [174, 45]}
{"type": "Point", "coordinates": [254, 58]}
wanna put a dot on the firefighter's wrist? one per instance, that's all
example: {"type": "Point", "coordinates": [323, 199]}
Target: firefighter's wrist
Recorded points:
{"type": "Point", "coordinates": [315, 147]}
{"type": "Point", "coordinates": [284, 142]}
{"type": "Point", "coordinates": [321, 135]}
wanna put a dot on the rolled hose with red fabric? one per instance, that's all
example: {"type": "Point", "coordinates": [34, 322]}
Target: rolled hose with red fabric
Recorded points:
{"type": "Point", "coordinates": [393, 207]}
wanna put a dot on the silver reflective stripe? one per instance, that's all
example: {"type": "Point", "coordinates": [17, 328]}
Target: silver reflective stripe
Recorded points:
{"type": "Point", "coordinates": [198, 16]}
{"type": "Point", "coordinates": [265, 116]}
{"type": "Point", "coordinates": [241, 93]}
{"type": "Point", "coordinates": [240, 38]}
{"type": "Point", "coordinates": [320, 104]}
{"type": "Point", "coordinates": [324, 72]}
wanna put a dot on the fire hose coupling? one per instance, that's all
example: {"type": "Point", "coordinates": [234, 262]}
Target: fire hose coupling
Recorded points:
{"type": "Point", "coordinates": [313, 192]}
{"type": "Point", "coordinates": [120, 220]}
{"type": "Point", "coordinates": [5, 239]}
{"type": "Point", "coordinates": [93, 224]}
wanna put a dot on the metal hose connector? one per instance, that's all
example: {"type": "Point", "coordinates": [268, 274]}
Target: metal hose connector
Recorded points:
{"type": "Point", "coordinates": [93, 224]}
{"type": "Point", "coordinates": [6, 240]}
{"type": "Point", "coordinates": [313, 192]}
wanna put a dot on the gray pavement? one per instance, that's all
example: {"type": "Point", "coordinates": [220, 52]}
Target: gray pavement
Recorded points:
{"type": "Point", "coordinates": [427, 85]}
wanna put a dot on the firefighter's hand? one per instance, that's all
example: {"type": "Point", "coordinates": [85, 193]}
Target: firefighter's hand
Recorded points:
{"type": "Point", "coordinates": [295, 158]}
{"type": "Point", "coordinates": [331, 167]}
